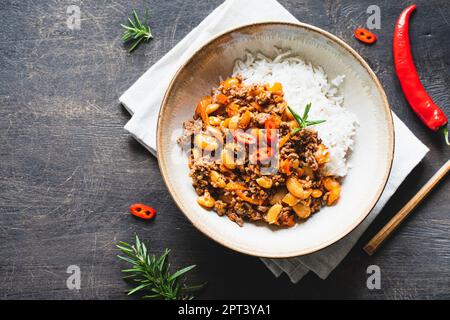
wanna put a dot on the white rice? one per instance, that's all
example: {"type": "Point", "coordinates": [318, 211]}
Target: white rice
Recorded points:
{"type": "Point", "coordinates": [302, 84]}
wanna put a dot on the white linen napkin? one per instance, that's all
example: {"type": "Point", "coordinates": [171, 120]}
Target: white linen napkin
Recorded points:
{"type": "Point", "coordinates": [144, 97]}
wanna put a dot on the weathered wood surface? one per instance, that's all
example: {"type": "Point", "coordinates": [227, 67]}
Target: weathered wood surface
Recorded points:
{"type": "Point", "coordinates": [68, 170]}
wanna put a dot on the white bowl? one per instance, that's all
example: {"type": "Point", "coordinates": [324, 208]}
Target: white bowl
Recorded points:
{"type": "Point", "coordinates": [371, 159]}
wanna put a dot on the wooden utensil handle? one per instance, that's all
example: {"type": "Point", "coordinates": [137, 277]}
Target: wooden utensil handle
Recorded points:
{"type": "Point", "coordinates": [396, 220]}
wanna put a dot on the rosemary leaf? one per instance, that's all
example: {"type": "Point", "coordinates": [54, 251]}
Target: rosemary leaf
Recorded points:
{"type": "Point", "coordinates": [136, 31]}
{"type": "Point", "coordinates": [152, 274]}
{"type": "Point", "coordinates": [305, 113]}
{"type": "Point", "coordinates": [303, 121]}
{"type": "Point", "coordinates": [181, 272]}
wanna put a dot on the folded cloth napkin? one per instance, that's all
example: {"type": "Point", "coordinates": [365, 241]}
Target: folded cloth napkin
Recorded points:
{"type": "Point", "coordinates": [143, 100]}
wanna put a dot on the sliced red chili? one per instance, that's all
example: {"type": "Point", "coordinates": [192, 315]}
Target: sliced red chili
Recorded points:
{"type": "Point", "coordinates": [263, 154]}
{"type": "Point", "coordinates": [365, 35]}
{"type": "Point", "coordinates": [271, 125]}
{"type": "Point", "coordinates": [244, 137]}
{"type": "Point", "coordinates": [142, 211]}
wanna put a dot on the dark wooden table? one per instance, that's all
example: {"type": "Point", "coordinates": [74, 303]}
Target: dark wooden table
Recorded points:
{"type": "Point", "coordinates": [68, 169]}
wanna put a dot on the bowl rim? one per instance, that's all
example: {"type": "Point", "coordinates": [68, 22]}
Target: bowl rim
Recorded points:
{"type": "Point", "coordinates": [223, 240]}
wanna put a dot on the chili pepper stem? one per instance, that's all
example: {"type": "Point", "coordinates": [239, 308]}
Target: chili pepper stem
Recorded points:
{"type": "Point", "coordinates": [444, 131]}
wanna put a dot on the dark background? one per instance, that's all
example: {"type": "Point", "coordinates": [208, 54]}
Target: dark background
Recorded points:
{"type": "Point", "coordinates": [69, 171]}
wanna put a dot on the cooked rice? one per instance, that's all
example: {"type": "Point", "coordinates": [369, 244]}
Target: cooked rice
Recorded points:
{"type": "Point", "coordinates": [304, 83]}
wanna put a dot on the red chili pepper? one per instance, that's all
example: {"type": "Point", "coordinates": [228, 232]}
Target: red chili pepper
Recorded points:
{"type": "Point", "coordinates": [263, 154]}
{"type": "Point", "coordinates": [365, 35]}
{"type": "Point", "coordinates": [244, 137]}
{"type": "Point", "coordinates": [142, 211]}
{"type": "Point", "coordinates": [271, 125]}
{"type": "Point", "coordinates": [415, 93]}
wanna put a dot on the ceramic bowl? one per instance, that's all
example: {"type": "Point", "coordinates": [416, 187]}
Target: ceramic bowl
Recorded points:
{"type": "Point", "coordinates": [370, 160]}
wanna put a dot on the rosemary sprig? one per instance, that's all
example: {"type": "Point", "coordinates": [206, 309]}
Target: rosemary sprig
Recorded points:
{"type": "Point", "coordinates": [136, 31]}
{"type": "Point", "coordinates": [303, 121]}
{"type": "Point", "coordinates": [152, 274]}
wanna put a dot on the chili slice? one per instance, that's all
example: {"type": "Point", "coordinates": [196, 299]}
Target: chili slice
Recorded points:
{"type": "Point", "coordinates": [263, 154]}
{"type": "Point", "coordinates": [271, 124]}
{"type": "Point", "coordinates": [414, 92]}
{"type": "Point", "coordinates": [365, 35]}
{"type": "Point", "coordinates": [142, 211]}
{"type": "Point", "coordinates": [244, 137]}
